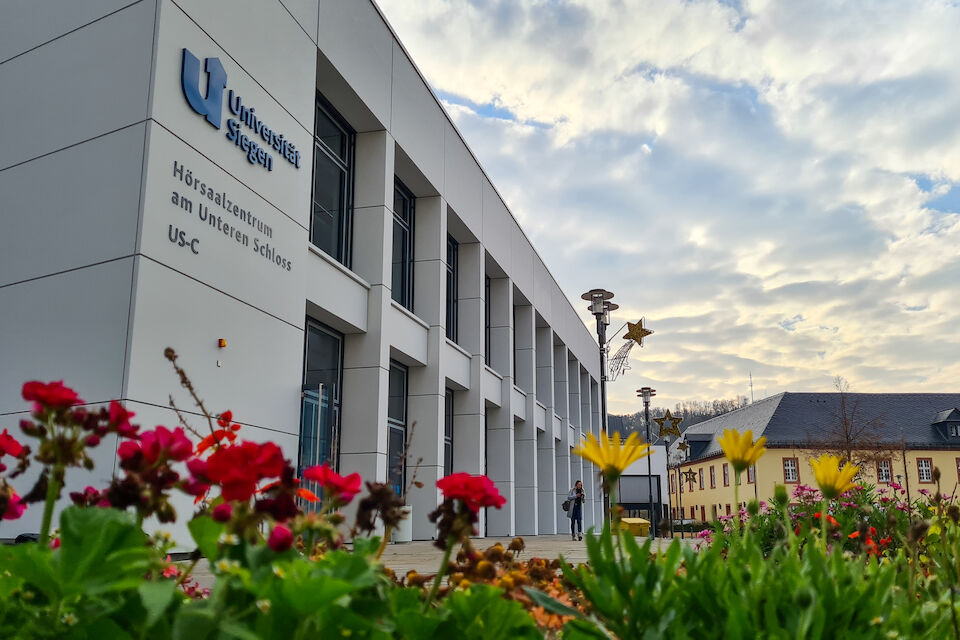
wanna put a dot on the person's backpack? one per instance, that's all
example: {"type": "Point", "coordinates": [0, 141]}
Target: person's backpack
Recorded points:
{"type": "Point", "coordinates": [566, 505]}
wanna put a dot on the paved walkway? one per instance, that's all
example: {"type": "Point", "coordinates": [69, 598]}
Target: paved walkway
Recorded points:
{"type": "Point", "coordinates": [425, 558]}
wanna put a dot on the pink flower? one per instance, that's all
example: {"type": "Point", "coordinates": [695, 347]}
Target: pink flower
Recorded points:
{"type": "Point", "coordinates": [55, 543]}
{"type": "Point", "coordinates": [120, 420]}
{"type": "Point", "coordinates": [281, 538]}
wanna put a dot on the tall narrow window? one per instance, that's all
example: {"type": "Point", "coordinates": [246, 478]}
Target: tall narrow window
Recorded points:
{"type": "Point", "coordinates": [925, 469]}
{"type": "Point", "coordinates": [514, 345]}
{"type": "Point", "coordinates": [700, 478]}
{"type": "Point", "coordinates": [713, 477]}
{"type": "Point", "coordinates": [791, 470]}
{"type": "Point", "coordinates": [402, 274]}
{"type": "Point", "coordinates": [751, 474]}
{"type": "Point", "coordinates": [448, 433]}
{"type": "Point", "coordinates": [453, 292]}
{"type": "Point", "coordinates": [884, 472]}
{"type": "Point", "coordinates": [726, 475]}
{"type": "Point", "coordinates": [332, 183]}
{"type": "Point", "coordinates": [397, 427]}
{"type": "Point", "coordinates": [320, 397]}
{"type": "Point", "coordinates": [486, 320]}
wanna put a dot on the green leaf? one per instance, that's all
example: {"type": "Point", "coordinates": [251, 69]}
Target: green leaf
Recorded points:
{"type": "Point", "coordinates": [234, 629]}
{"type": "Point", "coordinates": [313, 594]}
{"type": "Point", "coordinates": [551, 604]}
{"type": "Point", "coordinates": [194, 623]}
{"type": "Point", "coordinates": [206, 533]}
{"type": "Point", "coordinates": [156, 596]}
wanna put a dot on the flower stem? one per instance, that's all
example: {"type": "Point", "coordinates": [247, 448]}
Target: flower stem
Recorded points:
{"type": "Point", "coordinates": [736, 498]}
{"type": "Point", "coordinates": [387, 531]}
{"type": "Point", "coordinates": [443, 570]}
{"type": "Point", "coordinates": [53, 490]}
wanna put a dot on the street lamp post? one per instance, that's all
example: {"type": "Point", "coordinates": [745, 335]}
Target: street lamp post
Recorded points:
{"type": "Point", "coordinates": [600, 307]}
{"type": "Point", "coordinates": [646, 393]}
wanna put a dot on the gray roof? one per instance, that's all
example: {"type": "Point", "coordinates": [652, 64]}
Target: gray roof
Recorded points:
{"type": "Point", "coordinates": [793, 419]}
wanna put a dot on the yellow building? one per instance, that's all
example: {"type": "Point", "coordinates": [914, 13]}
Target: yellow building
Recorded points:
{"type": "Point", "coordinates": [903, 435]}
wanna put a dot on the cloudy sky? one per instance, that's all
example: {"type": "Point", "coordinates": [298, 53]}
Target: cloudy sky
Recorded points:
{"type": "Point", "coordinates": [775, 186]}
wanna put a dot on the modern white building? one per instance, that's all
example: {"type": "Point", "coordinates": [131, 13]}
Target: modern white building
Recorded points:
{"type": "Point", "coordinates": [278, 174]}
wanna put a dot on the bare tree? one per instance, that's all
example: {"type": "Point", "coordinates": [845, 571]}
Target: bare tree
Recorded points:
{"type": "Point", "coordinates": [853, 436]}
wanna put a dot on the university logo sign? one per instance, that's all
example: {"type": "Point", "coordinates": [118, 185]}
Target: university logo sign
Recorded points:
{"type": "Point", "coordinates": [210, 105]}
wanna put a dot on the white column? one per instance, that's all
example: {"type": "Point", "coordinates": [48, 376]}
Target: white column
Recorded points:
{"type": "Point", "coordinates": [547, 507]}
{"type": "Point", "coordinates": [525, 432]}
{"type": "Point", "coordinates": [500, 426]}
{"type": "Point", "coordinates": [560, 355]}
{"type": "Point", "coordinates": [363, 434]}
{"type": "Point", "coordinates": [425, 400]}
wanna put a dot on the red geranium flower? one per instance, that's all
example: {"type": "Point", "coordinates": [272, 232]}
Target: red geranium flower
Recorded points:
{"type": "Point", "coordinates": [339, 488]}
{"type": "Point", "coordinates": [474, 491]}
{"type": "Point", "coordinates": [170, 445]}
{"type": "Point", "coordinates": [50, 395]}
{"type": "Point", "coordinates": [281, 538]}
{"type": "Point", "coordinates": [9, 446]}
{"type": "Point", "coordinates": [238, 469]}
{"type": "Point", "coordinates": [120, 419]}
{"type": "Point", "coordinates": [15, 506]}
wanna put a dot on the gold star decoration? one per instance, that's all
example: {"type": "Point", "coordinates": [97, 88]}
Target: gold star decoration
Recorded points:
{"type": "Point", "coordinates": [636, 332]}
{"type": "Point", "coordinates": [683, 446]}
{"type": "Point", "coordinates": [690, 475]}
{"type": "Point", "coordinates": [673, 429]}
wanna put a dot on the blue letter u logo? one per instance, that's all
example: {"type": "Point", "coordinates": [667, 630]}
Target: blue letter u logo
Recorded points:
{"type": "Point", "coordinates": [211, 105]}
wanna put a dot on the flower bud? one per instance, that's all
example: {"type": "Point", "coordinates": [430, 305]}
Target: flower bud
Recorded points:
{"type": "Point", "coordinates": [223, 512]}
{"type": "Point", "coordinates": [92, 440]}
{"type": "Point", "coordinates": [280, 539]}
{"type": "Point", "coordinates": [753, 508]}
{"type": "Point", "coordinates": [936, 474]}
{"type": "Point", "coordinates": [780, 497]}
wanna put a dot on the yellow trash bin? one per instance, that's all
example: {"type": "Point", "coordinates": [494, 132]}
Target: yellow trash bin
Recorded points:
{"type": "Point", "coordinates": [636, 526]}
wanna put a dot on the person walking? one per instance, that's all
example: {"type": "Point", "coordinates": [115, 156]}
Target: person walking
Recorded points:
{"type": "Point", "coordinates": [575, 513]}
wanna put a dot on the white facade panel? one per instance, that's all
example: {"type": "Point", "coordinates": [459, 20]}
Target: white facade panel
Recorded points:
{"type": "Point", "coordinates": [257, 375]}
{"type": "Point", "coordinates": [417, 121]}
{"type": "Point", "coordinates": [85, 84]}
{"type": "Point", "coordinates": [24, 24]}
{"type": "Point", "coordinates": [286, 186]}
{"type": "Point", "coordinates": [70, 327]}
{"type": "Point", "coordinates": [456, 364]}
{"type": "Point", "coordinates": [200, 221]}
{"type": "Point", "coordinates": [462, 181]}
{"type": "Point", "coordinates": [277, 58]}
{"type": "Point", "coordinates": [355, 39]}
{"type": "Point", "coordinates": [307, 15]}
{"type": "Point", "coordinates": [72, 208]}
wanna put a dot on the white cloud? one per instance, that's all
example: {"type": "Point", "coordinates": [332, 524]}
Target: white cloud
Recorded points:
{"type": "Point", "coordinates": [769, 152]}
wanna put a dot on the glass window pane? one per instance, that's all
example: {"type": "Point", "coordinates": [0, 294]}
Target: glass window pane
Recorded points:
{"type": "Point", "coordinates": [331, 135]}
{"type": "Point", "coordinates": [328, 204]}
{"type": "Point", "coordinates": [398, 280]}
{"type": "Point", "coordinates": [395, 460]}
{"type": "Point", "coordinates": [397, 400]}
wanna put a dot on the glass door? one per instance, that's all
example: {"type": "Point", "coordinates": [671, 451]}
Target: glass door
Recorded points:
{"type": "Point", "coordinates": [320, 401]}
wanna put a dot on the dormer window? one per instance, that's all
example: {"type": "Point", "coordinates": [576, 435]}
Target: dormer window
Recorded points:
{"type": "Point", "coordinates": [955, 429]}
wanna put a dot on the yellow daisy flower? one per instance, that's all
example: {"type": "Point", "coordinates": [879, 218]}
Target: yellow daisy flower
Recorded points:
{"type": "Point", "coordinates": [831, 479]}
{"type": "Point", "coordinates": [740, 449]}
{"type": "Point", "coordinates": [612, 455]}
